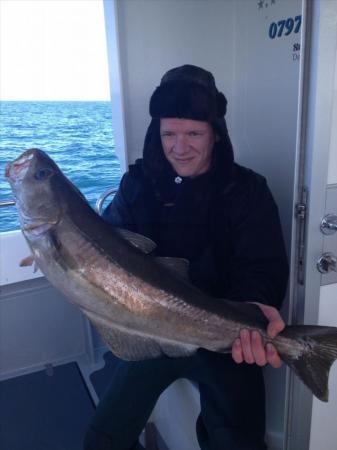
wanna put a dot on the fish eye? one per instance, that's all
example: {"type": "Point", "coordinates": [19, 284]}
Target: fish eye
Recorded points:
{"type": "Point", "coordinates": [42, 174]}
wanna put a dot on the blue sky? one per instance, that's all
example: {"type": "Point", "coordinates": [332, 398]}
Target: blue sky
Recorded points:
{"type": "Point", "coordinates": [53, 50]}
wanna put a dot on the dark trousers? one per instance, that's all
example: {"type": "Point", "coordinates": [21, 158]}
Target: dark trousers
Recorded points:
{"type": "Point", "coordinates": [231, 396]}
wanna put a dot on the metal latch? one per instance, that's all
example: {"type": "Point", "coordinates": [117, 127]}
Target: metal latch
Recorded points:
{"type": "Point", "coordinates": [329, 224]}
{"type": "Point", "coordinates": [327, 263]}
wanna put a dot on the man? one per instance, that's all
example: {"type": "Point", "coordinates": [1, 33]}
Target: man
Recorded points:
{"type": "Point", "coordinates": [189, 196]}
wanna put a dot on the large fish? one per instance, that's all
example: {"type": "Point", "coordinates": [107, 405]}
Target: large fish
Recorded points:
{"type": "Point", "coordinates": [144, 307]}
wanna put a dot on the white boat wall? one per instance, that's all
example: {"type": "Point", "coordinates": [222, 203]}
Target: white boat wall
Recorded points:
{"type": "Point", "coordinates": [260, 68]}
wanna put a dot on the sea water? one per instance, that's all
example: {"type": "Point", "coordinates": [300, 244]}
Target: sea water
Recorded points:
{"type": "Point", "coordinates": [77, 135]}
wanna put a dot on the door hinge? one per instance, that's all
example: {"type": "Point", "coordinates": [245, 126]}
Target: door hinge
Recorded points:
{"type": "Point", "coordinates": [301, 215]}
{"type": "Point", "coordinates": [301, 210]}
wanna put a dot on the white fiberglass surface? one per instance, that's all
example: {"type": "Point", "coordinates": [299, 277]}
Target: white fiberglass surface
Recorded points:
{"type": "Point", "coordinates": [323, 425]}
{"type": "Point", "coordinates": [13, 249]}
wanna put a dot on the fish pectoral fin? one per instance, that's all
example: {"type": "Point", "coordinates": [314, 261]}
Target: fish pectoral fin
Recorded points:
{"type": "Point", "coordinates": [29, 261]}
{"type": "Point", "coordinates": [177, 266]}
{"type": "Point", "coordinates": [135, 346]}
{"type": "Point", "coordinates": [137, 240]}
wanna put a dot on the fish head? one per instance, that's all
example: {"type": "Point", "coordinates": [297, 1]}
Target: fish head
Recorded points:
{"type": "Point", "coordinates": [34, 178]}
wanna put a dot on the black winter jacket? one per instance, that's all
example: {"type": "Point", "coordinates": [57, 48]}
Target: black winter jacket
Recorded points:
{"type": "Point", "coordinates": [230, 233]}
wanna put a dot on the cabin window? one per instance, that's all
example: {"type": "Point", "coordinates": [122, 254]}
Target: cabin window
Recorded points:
{"type": "Point", "coordinates": [54, 93]}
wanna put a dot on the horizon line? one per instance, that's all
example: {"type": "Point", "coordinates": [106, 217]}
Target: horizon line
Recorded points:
{"type": "Point", "coordinates": [53, 100]}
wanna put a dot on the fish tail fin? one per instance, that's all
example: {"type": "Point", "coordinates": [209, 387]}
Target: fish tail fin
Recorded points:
{"type": "Point", "coordinates": [320, 351]}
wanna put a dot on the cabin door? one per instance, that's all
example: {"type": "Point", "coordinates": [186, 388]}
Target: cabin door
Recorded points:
{"type": "Point", "coordinates": [311, 423]}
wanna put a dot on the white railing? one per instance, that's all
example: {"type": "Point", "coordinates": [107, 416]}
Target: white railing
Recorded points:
{"type": "Point", "coordinates": [7, 203]}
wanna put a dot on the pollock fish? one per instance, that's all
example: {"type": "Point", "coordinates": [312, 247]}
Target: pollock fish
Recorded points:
{"type": "Point", "coordinates": [143, 306]}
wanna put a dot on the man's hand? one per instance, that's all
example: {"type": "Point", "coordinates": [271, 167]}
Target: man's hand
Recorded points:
{"type": "Point", "coordinates": [249, 347]}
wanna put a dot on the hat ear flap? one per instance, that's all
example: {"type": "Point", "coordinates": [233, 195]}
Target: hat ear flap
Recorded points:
{"type": "Point", "coordinates": [221, 104]}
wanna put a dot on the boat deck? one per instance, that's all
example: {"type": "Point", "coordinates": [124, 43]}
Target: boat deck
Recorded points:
{"type": "Point", "coordinates": [50, 409]}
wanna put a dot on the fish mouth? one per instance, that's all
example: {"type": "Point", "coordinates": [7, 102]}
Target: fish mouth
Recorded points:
{"type": "Point", "coordinates": [17, 170]}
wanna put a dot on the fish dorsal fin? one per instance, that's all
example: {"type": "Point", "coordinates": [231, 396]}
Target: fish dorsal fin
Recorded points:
{"type": "Point", "coordinates": [177, 266]}
{"type": "Point", "coordinates": [143, 243]}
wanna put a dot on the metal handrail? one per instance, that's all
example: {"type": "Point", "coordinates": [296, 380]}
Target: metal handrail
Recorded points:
{"type": "Point", "coordinates": [98, 206]}
{"type": "Point", "coordinates": [102, 198]}
{"type": "Point", "coordinates": [7, 203]}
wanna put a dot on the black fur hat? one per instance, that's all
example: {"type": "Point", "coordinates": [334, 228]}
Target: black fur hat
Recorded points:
{"type": "Point", "coordinates": [188, 92]}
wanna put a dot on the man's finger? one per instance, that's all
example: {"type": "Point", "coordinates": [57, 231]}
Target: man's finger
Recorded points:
{"type": "Point", "coordinates": [276, 323]}
{"type": "Point", "coordinates": [237, 351]}
{"type": "Point", "coordinates": [246, 346]}
{"type": "Point", "coordinates": [274, 328]}
{"type": "Point", "coordinates": [272, 356]}
{"type": "Point", "coordinates": [258, 350]}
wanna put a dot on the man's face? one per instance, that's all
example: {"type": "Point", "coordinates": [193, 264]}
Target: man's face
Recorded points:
{"type": "Point", "coordinates": [188, 145]}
